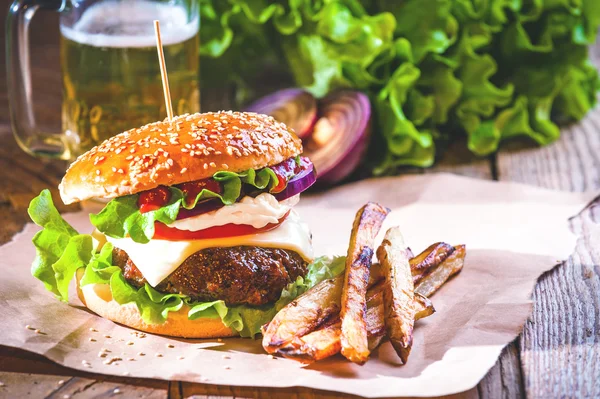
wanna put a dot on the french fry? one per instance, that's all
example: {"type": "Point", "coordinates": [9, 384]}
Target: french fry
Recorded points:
{"type": "Point", "coordinates": [303, 314]}
{"type": "Point", "coordinates": [429, 259]}
{"type": "Point", "coordinates": [398, 292]}
{"type": "Point", "coordinates": [423, 307]}
{"type": "Point", "coordinates": [452, 265]}
{"type": "Point", "coordinates": [367, 223]}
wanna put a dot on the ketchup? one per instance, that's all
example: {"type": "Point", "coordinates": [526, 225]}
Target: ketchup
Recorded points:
{"type": "Point", "coordinates": [152, 200]}
{"type": "Point", "coordinates": [193, 188]}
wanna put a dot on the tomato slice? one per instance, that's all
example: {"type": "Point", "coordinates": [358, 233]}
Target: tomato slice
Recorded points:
{"type": "Point", "coordinates": [164, 232]}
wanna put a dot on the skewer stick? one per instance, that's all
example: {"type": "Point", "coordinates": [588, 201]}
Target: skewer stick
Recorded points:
{"type": "Point", "coordinates": [163, 71]}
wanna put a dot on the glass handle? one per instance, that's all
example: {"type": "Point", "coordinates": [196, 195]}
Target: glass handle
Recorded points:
{"type": "Point", "coordinates": [18, 72]}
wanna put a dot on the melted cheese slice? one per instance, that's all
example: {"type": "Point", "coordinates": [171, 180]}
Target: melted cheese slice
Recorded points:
{"type": "Point", "coordinates": [159, 258]}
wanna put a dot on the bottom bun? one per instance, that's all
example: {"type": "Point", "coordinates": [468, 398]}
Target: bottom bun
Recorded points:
{"type": "Point", "coordinates": [98, 298]}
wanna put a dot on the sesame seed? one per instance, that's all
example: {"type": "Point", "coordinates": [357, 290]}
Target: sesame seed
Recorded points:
{"type": "Point", "coordinates": [92, 340]}
{"type": "Point", "coordinates": [130, 359]}
{"type": "Point", "coordinates": [158, 355]}
{"type": "Point", "coordinates": [114, 169]}
{"type": "Point", "coordinates": [92, 329]}
{"type": "Point", "coordinates": [107, 336]}
{"type": "Point", "coordinates": [141, 354]}
{"type": "Point", "coordinates": [129, 342]}
{"type": "Point", "coordinates": [29, 327]}
{"type": "Point", "coordinates": [227, 368]}
{"type": "Point", "coordinates": [213, 165]}
{"type": "Point", "coordinates": [37, 331]}
{"type": "Point", "coordinates": [183, 170]}
{"type": "Point", "coordinates": [2, 384]}
{"type": "Point", "coordinates": [272, 357]}
{"type": "Point", "coordinates": [180, 357]}
{"type": "Point", "coordinates": [116, 391]}
{"type": "Point", "coordinates": [226, 357]}
{"type": "Point", "coordinates": [170, 346]}
{"type": "Point", "coordinates": [66, 396]}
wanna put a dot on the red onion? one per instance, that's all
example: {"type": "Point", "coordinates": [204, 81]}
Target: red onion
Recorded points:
{"type": "Point", "coordinates": [296, 108]}
{"type": "Point", "coordinates": [340, 136]}
{"type": "Point", "coordinates": [298, 184]}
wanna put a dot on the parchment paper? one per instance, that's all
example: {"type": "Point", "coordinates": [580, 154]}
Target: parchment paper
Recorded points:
{"type": "Point", "coordinates": [513, 234]}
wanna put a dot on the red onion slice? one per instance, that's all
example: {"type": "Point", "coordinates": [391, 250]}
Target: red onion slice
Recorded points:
{"type": "Point", "coordinates": [296, 108]}
{"type": "Point", "coordinates": [298, 184]}
{"type": "Point", "coordinates": [340, 136]}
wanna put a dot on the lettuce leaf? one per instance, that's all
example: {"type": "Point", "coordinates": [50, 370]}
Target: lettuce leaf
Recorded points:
{"type": "Point", "coordinates": [61, 251]}
{"type": "Point", "coordinates": [121, 216]}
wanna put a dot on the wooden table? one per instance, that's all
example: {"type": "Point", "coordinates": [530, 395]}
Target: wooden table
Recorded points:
{"type": "Point", "coordinates": [557, 355]}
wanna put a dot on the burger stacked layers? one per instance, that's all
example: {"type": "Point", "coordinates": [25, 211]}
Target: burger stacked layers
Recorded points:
{"type": "Point", "coordinates": [199, 235]}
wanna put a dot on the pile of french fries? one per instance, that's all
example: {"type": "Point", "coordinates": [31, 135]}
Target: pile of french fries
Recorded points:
{"type": "Point", "coordinates": [353, 312]}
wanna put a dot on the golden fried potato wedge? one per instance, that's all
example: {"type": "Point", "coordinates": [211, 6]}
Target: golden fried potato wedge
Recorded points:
{"type": "Point", "coordinates": [429, 259]}
{"type": "Point", "coordinates": [303, 314]}
{"type": "Point", "coordinates": [316, 345]}
{"type": "Point", "coordinates": [452, 265]}
{"type": "Point", "coordinates": [398, 292]}
{"type": "Point", "coordinates": [423, 307]}
{"type": "Point", "coordinates": [367, 224]}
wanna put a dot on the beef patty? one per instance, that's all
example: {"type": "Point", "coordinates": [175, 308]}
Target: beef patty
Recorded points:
{"type": "Point", "coordinates": [238, 275]}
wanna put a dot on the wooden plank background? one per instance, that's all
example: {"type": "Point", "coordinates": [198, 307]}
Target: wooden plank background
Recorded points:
{"type": "Point", "coordinates": [557, 355]}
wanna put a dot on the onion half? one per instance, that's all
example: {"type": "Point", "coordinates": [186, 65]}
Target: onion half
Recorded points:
{"type": "Point", "coordinates": [296, 108]}
{"type": "Point", "coordinates": [340, 136]}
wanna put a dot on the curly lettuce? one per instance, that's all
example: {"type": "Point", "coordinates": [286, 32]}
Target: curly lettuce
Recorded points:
{"type": "Point", "coordinates": [436, 70]}
{"type": "Point", "coordinates": [61, 252]}
{"type": "Point", "coordinates": [121, 217]}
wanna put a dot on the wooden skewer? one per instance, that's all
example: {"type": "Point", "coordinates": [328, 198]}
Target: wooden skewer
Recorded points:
{"type": "Point", "coordinates": [163, 71]}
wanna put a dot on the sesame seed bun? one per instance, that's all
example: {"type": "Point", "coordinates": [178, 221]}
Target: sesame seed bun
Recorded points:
{"type": "Point", "coordinates": [191, 147]}
{"type": "Point", "coordinates": [98, 298]}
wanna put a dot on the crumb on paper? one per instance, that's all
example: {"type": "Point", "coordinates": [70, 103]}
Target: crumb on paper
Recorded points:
{"type": "Point", "coordinates": [227, 368]}
{"type": "Point", "coordinates": [92, 329]}
{"type": "Point", "coordinates": [158, 355]}
{"type": "Point", "coordinates": [112, 360]}
{"type": "Point", "coordinates": [130, 359]}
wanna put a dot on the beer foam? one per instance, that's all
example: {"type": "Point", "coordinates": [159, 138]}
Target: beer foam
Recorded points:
{"type": "Point", "coordinates": [130, 24]}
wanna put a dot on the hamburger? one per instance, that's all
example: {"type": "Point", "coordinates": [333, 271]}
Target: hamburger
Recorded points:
{"type": "Point", "coordinates": [198, 238]}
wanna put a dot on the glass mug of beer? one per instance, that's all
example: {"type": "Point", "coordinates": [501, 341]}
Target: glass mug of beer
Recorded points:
{"type": "Point", "coordinates": [110, 69]}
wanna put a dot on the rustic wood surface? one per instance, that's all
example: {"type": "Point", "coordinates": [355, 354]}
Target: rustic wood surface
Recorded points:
{"type": "Point", "coordinates": [558, 354]}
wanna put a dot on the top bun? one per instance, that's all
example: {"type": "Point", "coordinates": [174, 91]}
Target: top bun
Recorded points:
{"type": "Point", "coordinates": [191, 147]}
